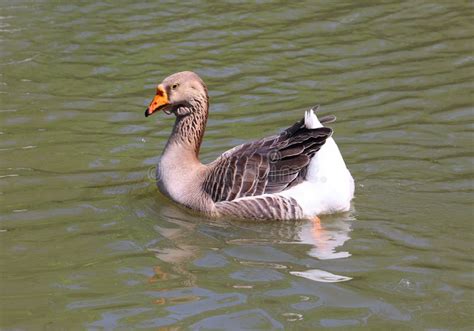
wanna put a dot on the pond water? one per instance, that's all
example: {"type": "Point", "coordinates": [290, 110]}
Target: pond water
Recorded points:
{"type": "Point", "coordinates": [87, 241]}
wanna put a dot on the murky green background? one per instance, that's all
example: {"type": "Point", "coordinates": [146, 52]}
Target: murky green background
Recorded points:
{"type": "Point", "coordinates": [87, 242]}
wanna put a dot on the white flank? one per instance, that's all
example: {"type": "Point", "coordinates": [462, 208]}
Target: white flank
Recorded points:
{"type": "Point", "coordinates": [329, 186]}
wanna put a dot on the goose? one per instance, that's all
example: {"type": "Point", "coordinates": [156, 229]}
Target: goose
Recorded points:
{"type": "Point", "coordinates": [296, 174]}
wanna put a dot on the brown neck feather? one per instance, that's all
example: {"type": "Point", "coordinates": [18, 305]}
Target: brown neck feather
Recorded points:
{"type": "Point", "coordinates": [190, 125]}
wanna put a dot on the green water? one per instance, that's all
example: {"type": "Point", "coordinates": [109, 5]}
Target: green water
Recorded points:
{"type": "Point", "coordinates": [87, 242]}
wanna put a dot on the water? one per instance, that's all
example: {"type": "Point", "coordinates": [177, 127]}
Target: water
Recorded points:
{"type": "Point", "coordinates": [87, 242]}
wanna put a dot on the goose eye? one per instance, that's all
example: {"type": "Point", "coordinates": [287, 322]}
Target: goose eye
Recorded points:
{"type": "Point", "coordinates": [174, 86]}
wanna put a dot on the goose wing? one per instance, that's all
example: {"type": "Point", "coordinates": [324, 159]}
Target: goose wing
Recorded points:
{"type": "Point", "coordinates": [265, 166]}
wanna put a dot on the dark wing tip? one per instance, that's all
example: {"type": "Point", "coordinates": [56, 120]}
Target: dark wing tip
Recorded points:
{"type": "Point", "coordinates": [327, 119]}
{"type": "Point", "coordinates": [315, 108]}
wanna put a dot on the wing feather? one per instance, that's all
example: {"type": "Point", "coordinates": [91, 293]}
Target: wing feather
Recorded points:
{"type": "Point", "coordinates": [269, 165]}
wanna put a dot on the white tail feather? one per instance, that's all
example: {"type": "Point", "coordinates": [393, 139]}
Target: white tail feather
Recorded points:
{"type": "Point", "coordinates": [311, 120]}
{"type": "Point", "coordinates": [329, 186]}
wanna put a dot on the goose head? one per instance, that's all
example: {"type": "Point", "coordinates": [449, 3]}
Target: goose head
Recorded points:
{"type": "Point", "coordinates": [181, 93]}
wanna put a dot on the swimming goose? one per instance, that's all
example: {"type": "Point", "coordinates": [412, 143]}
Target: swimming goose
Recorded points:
{"type": "Point", "coordinates": [296, 174]}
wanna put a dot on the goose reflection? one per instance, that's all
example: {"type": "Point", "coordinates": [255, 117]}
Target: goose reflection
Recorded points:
{"type": "Point", "coordinates": [186, 237]}
{"type": "Point", "coordinates": [176, 246]}
{"type": "Point", "coordinates": [326, 237]}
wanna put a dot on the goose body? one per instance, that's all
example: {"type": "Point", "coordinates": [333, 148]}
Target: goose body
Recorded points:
{"type": "Point", "coordinates": [329, 186]}
{"type": "Point", "coordinates": [296, 174]}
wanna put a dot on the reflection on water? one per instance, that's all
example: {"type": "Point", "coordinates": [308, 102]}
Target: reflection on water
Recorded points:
{"type": "Point", "coordinates": [179, 246]}
{"type": "Point", "coordinates": [87, 241]}
{"type": "Point", "coordinates": [320, 276]}
{"type": "Point", "coordinates": [252, 257]}
{"type": "Point", "coordinates": [326, 236]}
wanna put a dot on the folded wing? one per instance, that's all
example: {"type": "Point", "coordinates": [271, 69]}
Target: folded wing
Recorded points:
{"type": "Point", "coordinates": [265, 166]}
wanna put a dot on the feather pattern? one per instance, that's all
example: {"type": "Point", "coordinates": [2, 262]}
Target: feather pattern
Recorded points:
{"type": "Point", "coordinates": [262, 207]}
{"type": "Point", "coordinates": [265, 166]}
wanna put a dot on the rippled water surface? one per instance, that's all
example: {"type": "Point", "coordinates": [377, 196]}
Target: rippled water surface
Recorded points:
{"type": "Point", "coordinates": [87, 242]}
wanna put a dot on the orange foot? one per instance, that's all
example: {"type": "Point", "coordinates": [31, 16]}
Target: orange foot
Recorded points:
{"type": "Point", "coordinates": [318, 233]}
{"type": "Point", "coordinates": [317, 221]}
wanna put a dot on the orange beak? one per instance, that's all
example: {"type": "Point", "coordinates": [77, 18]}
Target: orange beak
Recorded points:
{"type": "Point", "coordinates": [159, 101]}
